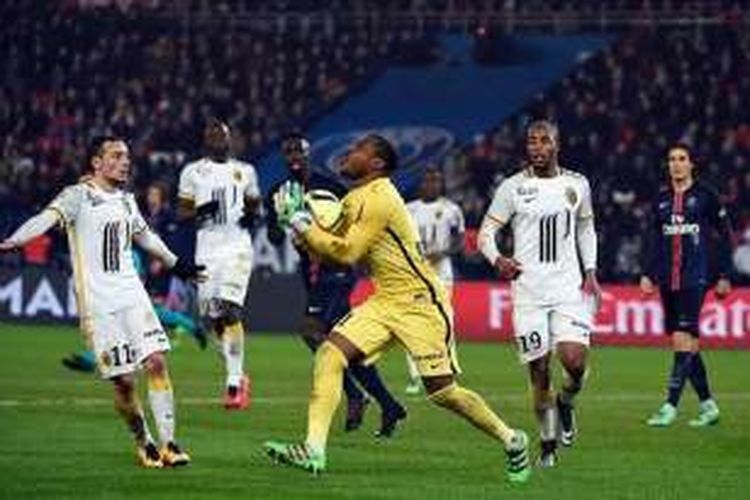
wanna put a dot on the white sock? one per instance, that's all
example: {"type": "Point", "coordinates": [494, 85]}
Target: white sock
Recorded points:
{"type": "Point", "coordinates": [412, 366]}
{"type": "Point", "coordinates": [547, 423]}
{"type": "Point", "coordinates": [233, 347]}
{"type": "Point", "coordinates": [162, 407]}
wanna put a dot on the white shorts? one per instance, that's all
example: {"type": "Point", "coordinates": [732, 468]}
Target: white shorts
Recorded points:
{"type": "Point", "coordinates": [123, 339]}
{"type": "Point", "coordinates": [540, 328]}
{"type": "Point", "coordinates": [228, 278]}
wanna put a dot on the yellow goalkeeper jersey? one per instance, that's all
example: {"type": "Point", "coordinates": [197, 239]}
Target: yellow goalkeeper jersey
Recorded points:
{"type": "Point", "coordinates": [378, 231]}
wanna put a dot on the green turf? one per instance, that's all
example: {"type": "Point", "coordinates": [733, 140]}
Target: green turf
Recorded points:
{"type": "Point", "coordinates": [59, 437]}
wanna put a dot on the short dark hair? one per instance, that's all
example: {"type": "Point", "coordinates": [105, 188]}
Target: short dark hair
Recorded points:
{"type": "Point", "coordinates": [683, 146]}
{"type": "Point", "coordinates": [548, 126]}
{"type": "Point", "coordinates": [295, 142]}
{"type": "Point", "coordinates": [96, 146]}
{"type": "Point", "coordinates": [384, 150]}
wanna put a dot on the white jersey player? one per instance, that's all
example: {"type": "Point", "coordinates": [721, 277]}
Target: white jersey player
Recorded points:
{"type": "Point", "coordinates": [221, 193]}
{"type": "Point", "coordinates": [550, 214]}
{"type": "Point", "coordinates": [117, 318]}
{"type": "Point", "coordinates": [440, 225]}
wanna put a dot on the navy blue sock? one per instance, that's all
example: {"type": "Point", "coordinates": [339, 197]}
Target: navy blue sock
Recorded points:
{"type": "Point", "coordinates": [681, 368]}
{"type": "Point", "coordinates": [699, 378]}
{"type": "Point", "coordinates": [350, 387]}
{"type": "Point", "coordinates": [369, 378]}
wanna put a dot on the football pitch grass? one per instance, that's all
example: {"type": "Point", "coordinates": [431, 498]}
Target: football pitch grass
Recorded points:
{"type": "Point", "coordinates": [60, 437]}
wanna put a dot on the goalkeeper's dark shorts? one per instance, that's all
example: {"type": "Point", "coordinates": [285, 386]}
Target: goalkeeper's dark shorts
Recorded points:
{"type": "Point", "coordinates": [328, 298]}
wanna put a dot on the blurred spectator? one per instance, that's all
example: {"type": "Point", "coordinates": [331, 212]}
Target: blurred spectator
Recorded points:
{"type": "Point", "coordinates": [741, 258]}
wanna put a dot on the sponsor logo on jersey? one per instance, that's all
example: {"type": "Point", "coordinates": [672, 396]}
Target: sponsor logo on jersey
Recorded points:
{"type": "Point", "coordinates": [571, 196]}
{"type": "Point", "coordinates": [673, 229]}
{"type": "Point", "coordinates": [435, 356]}
{"type": "Point", "coordinates": [527, 191]}
{"type": "Point", "coordinates": [153, 333]}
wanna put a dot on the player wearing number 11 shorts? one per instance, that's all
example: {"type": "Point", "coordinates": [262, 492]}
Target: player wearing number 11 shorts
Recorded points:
{"type": "Point", "coordinates": [103, 221]}
{"type": "Point", "coordinates": [549, 211]}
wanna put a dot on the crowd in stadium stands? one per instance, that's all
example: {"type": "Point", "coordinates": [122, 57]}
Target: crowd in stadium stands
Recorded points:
{"type": "Point", "coordinates": [66, 78]}
{"type": "Point", "coordinates": [618, 112]}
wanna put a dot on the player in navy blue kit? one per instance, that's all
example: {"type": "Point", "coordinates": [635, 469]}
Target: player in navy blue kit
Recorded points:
{"type": "Point", "coordinates": [686, 213]}
{"type": "Point", "coordinates": [328, 288]}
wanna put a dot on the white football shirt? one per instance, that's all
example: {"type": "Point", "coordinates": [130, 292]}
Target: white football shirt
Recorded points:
{"type": "Point", "coordinates": [436, 221]}
{"type": "Point", "coordinates": [544, 213]}
{"type": "Point", "coordinates": [100, 227]}
{"type": "Point", "coordinates": [229, 183]}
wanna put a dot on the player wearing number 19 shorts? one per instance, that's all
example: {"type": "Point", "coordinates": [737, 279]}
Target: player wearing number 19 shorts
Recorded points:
{"type": "Point", "coordinates": [549, 211]}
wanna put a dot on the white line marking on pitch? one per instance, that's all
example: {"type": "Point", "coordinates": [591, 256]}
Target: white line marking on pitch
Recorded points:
{"type": "Point", "coordinates": [634, 397]}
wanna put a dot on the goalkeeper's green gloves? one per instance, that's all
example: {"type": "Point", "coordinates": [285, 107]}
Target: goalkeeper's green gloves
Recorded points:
{"type": "Point", "coordinates": [289, 203]}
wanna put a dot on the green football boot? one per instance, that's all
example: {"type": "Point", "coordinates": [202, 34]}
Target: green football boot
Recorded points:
{"type": "Point", "coordinates": [517, 465]}
{"type": "Point", "coordinates": [297, 455]}
{"type": "Point", "coordinates": [708, 414]}
{"type": "Point", "coordinates": [664, 417]}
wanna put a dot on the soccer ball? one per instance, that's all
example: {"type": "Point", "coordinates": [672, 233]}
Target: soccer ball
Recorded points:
{"type": "Point", "coordinates": [325, 208]}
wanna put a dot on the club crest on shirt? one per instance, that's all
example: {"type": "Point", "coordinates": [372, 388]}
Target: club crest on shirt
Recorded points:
{"type": "Point", "coordinates": [438, 214]}
{"type": "Point", "coordinates": [237, 176]}
{"type": "Point", "coordinates": [571, 196]}
{"type": "Point", "coordinates": [105, 359]}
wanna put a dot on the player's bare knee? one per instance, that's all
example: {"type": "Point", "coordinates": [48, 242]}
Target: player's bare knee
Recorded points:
{"type": "Point", "coordinates": [124, 387]}
{"type": "Point", "coordinates": [539, 374]}
{"type": "Point", "coordinates": [156, 364]}
{"type": "Point", "coordinates": [313, 332]}
{"type": "Point", "coordinates": [684, 342]}
{"type": "Point", "coordinates": [575, 368]}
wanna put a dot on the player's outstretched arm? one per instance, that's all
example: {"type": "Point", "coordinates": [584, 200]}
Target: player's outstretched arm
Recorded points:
{"type": "Point", "coordinates": [154, 245]}
{"type": "Point", "coordinates": [35, 226]}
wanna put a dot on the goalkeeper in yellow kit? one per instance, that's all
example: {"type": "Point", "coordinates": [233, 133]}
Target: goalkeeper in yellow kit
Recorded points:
{"type": "Point", "coordinates": [409, 307]}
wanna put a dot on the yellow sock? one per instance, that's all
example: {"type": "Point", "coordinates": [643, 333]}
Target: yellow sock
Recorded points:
{"type": "Point", "coordinates": [159, 382]}
{"type": "Point", "coordinates": [330, 363]}
{"type": "Point", "coordinates": [473, 408]}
